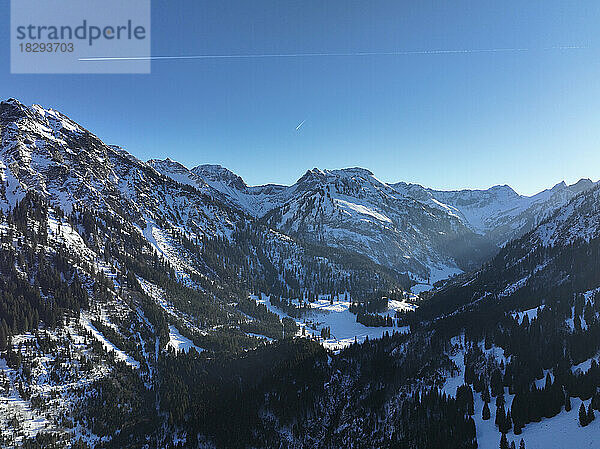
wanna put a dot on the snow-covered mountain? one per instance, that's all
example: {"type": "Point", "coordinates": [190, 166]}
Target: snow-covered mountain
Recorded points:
{"type": "Point", "coordinates": [350, 209]}
{"type": "Point", "coordinates": [577, 220]}
{"type": "Point", "coordinates": [559, 255]}
{"type": "Point", "coordinates": [498, 212]}
{"type": "Point", "coordinates": [226, 186]}
{"type": "Point", "coordinates": [44, 151]}
{"type": "Point", "coordinates": [407, 227]}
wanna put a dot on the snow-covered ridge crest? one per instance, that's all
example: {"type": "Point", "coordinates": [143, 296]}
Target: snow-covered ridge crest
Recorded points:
{"type": "Point", "coordinates": [579, 219]}
{"type": "Point", "coordinates": [45, 151]}
{"type": "Point", "coordinates": [499, 212]}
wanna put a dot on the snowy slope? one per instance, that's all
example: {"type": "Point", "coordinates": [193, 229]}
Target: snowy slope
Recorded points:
{"type": "Point", "coordinates": [499, 212]}
{"type": "Point", "coordinates": [579, 219]}
{"type": "Point", "coordinates": [559, 432]}
{"type": "Point", "coordinates": [43, 150]}
{"type": "Point", "coordinates": [226, 186]}
{"type": "Point", "coordinates": [349, 209]}
{"type": "Point", "coordinates": [352, 209]}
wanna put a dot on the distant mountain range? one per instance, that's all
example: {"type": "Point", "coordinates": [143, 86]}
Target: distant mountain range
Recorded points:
{"type": "Point", "coordinates": [408, 228]}
{"type": "Point", "coordinates": [499, 212]}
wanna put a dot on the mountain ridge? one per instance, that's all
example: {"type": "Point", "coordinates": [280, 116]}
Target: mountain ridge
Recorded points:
{"type": "Point", "coordinates": [498, 213]}
{"type": "Point", "coordinates": [355, 206]}
{"type": "Point", "coordinates": [449, 200]}
{"type": "Point", "coordinates": [411, 229]}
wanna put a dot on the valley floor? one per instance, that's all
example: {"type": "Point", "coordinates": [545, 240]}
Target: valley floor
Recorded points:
{"type": "Point", "coordinates": [338, 318]}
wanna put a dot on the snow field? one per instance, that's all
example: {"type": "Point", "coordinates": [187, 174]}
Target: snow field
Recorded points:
{"type": "Point", "coordinates": [337, 316]}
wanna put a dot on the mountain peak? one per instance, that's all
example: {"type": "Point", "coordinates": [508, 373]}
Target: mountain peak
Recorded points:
{"type": "Point", "coordinates": [316, 174]}
{"type": "Point", "coordinates": [355, 171]}
{"type": "Point", "coordinates": [218, 173]}
{"type": "Point", "coordinates": [561, 185]}
{"type": "Point", "coordinates": [503, 188]}
{"type": "Point", "coordinates": [12, 101]}
{"type": "Point", "coordinates": [12, 109]}
{"type": "Point", "coordinates": [360, 170]}
{"type": "Point", "coordinates": [312, 175]}
{"type": "Point", "coordinates": [166, 162]}
{"type": "Point", "coordinates": [581, 185]}
{"type": "Point", "coordinates": [173, 169]}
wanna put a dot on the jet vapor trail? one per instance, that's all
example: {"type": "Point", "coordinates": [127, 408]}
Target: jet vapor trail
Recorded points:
{"type": "Point", "coordinates": [300, 125]}
{"type": "Point", "coordinates": [313, 55]}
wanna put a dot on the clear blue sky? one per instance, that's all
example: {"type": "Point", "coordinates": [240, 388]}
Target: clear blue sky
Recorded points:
{"type": "Point", "coordinates": [528, 119]}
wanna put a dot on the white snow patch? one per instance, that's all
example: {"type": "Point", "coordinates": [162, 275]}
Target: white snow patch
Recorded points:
{"type": "Point", "coordinates": [531, 314]}
{"type": "Point", "coordinates": [108, 346]}
{"type": "Point", "coordinates": [180, 343]}
{"type": "Point", "coordinates": [361, 209]}
{"type": "Point", "coordinates": [341, 322]}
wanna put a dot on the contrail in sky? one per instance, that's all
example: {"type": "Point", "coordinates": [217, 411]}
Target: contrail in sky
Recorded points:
{"type": "Point", "coordinates": [314, 55]}
{"type": "Point", "coordinates": [300, 125]}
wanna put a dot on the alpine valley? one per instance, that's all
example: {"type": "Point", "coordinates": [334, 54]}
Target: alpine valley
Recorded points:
{"type": "Point", "coordinates": [148, 305]}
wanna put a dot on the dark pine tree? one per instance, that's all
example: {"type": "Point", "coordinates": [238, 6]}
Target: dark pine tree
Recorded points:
{"type": "Point", "coordinates": [583, 418]}
{"type": "Point", "coordinates": [590, 414]}
{"type": "Point", "coordinates": [596, 401]}
{"type": "Point", "coordinates": [500, 417]}
{"type": "Point", "coordinates": [485, 414]}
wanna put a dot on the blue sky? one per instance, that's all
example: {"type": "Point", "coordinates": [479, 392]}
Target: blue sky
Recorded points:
{"type": "Point", "coordinates": [528, 119]}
